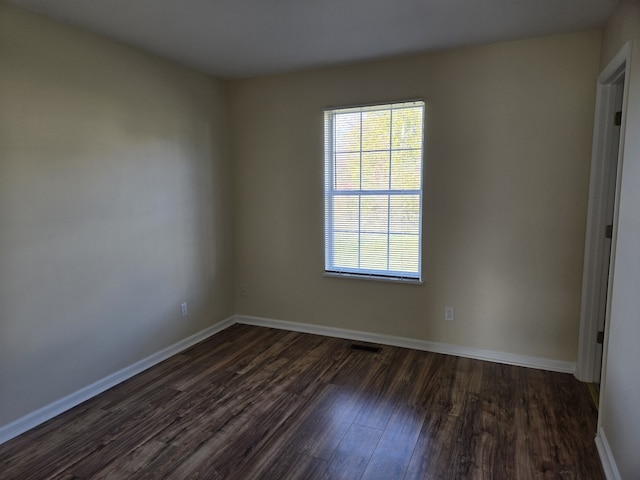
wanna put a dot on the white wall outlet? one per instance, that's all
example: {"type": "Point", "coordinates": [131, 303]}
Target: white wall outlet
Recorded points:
{"type": "Point", "coordinates": [448, 314]}
{"type": "Point", "coordinates": [183, 309]}
{"type": "Point", "coordinates": [243, 290]}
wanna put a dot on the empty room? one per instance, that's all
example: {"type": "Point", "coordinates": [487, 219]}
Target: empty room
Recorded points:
{"type": "Point", "coordinates": [300, 240]}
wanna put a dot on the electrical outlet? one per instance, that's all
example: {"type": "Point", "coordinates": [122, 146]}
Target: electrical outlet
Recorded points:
{"type": "Point", "coordinates": [243, 290]}
{"type": "Point", "coordinates": [448, 314]}
{"type": "Point", "coordinates": [183, 309]}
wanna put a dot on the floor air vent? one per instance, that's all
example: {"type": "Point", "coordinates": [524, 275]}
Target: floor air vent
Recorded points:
{"type": "Point", "coordinates": [365, 348]}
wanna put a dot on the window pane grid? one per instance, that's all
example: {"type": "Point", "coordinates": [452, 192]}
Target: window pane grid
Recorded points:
{"type": "Point", "coordinates": [373, 155]}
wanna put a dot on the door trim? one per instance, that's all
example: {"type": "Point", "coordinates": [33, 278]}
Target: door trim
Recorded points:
{"type": "Point", "coordinates": [595, 262]}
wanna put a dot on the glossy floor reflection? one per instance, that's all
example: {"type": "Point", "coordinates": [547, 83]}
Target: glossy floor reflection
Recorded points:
{"type": "Point", "coordinates": [257, 403]}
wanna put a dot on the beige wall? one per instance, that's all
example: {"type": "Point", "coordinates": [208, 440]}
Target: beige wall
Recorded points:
{"type": "Point", "coordinates": [114, 208]}
{"type": "Point", "coordinates": [623, 25]}
{"type": "Point", "coordinates": [508, 146]}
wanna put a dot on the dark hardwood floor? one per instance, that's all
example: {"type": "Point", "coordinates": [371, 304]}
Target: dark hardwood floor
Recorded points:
{"type": "Point", "coordinates": [258, 403]}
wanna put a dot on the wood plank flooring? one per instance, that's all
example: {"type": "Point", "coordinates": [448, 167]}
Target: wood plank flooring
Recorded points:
{"type": "Point", "coordinates": [258, 403]}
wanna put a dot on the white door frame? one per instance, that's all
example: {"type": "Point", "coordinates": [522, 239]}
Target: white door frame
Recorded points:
{"type": "Point", "coordinates": [595, 260]}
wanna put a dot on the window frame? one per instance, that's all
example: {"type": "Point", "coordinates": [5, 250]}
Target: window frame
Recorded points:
{"type": "Point", "coordinates": [330, 192]}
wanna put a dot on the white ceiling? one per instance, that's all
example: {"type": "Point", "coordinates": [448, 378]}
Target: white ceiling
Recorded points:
{"type": "Point", "coordinates": [243, 38]}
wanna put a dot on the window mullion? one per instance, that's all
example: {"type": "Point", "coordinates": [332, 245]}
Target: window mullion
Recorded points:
{"type": "Point", "coordinates": [335, 179]}
{"type": "Point", "coordinates": [389, 187]}
{"type": "Point", "coordinates": [360, 202]}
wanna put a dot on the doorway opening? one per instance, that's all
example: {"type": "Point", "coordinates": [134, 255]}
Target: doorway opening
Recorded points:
{"type": "Point", "coordinates": [601, 220]}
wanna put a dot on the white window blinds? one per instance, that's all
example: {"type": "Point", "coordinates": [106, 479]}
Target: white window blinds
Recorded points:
{"type": "Point", "coordinates": [373, 190]}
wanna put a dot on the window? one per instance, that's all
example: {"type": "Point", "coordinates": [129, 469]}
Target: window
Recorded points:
{"type": "Point", "coordinates": [373, 190]}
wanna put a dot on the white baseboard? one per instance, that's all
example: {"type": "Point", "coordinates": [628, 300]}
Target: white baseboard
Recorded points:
{"type": "Point", "coordinates": [459, 351]}
{"type": "Point", "coordinates": [606, 457]}
{"type": "Point", "coordinates": [33, 419]}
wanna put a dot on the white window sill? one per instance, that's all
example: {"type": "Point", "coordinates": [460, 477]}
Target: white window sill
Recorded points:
{"type": "Point", "coordinates": [375, 278]}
